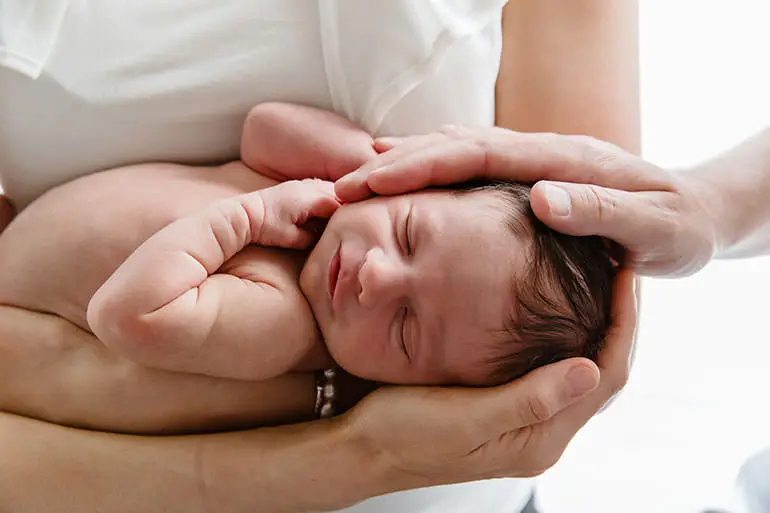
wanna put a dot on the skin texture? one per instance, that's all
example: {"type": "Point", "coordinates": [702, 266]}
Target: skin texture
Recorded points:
{"type": "Point", "coordinates": [522, 428]}
{"type": "Point", "coordinates": [571, 67]}
{"type": "Point", "coordinates": [187, 301]}
{"type": "Point", "coordinates": [516, 430]}
{"type": "Point", "coordinates": [412, 305]}
{"type": "Point", "coordinates": [671, 223]}
{"type": "Point", "coordinates": [203, 295]}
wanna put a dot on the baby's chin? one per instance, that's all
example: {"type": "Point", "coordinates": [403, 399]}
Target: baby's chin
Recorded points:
{"type": "Point", "coordinates": [340, 350]}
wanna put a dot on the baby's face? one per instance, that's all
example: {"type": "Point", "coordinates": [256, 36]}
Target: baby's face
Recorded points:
{"type": "Point", "coordinates": [414, 289]}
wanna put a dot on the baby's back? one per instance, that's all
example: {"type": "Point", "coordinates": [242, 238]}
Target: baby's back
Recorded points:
{"type": "Point", "coordinates": [60, 249]}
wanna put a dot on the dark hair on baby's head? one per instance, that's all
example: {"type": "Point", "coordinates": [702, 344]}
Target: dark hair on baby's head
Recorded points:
{"type": "Point", "coordinates": [562, 305]}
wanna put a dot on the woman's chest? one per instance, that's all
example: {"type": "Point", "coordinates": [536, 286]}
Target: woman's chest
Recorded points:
{"type": "Point", "coordinates": [98, 84]}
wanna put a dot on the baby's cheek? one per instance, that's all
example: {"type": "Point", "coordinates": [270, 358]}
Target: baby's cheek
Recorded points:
{"type": "Point", "coordinates": [359, 350]}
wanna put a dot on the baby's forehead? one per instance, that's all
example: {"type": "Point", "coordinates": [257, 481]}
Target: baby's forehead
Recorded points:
{"type": "Point", "coordinates": [489, 202]}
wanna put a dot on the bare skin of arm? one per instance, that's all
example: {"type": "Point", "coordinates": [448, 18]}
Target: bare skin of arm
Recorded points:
{"type": "Point", "coordinates": [736, 186]}
{"type": "Point", "coordinates": [571, 67]}
{"type": "Point", "coordinates": [52, 370]}
{"type": "Point", "coordinates": [188, 300]}
{"type": "Point", "coordinates": [515, 430]}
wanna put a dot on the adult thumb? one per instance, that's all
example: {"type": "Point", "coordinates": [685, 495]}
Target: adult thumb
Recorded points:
{"type": "Point", "coordinates": [582, 209]}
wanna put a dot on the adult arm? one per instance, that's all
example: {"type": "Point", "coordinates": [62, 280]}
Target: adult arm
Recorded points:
{"type": "Point", "coordinates": [571, 67]}
{"type": "Point", "coordinates": [519, 429]}
{"type": "Point", "coordinates": [188, 300]}
{"type": "Point", "coordinates": [52, 370]}
{"type": "Point", "coordinates": [736, 192]}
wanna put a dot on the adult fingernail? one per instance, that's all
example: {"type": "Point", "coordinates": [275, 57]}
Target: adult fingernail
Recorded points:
{"type": "Point", "coordinates": [559, 203]}
{"type": "Point", "coordinates": [379, 170]}
{"type": "Point", "coordinates": [581, 380]}
{"type": "Point", "coordinates": [350, 177]}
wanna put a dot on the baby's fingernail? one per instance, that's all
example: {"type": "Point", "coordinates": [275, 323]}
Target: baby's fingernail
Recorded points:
{"type": "Point", "coordinates": [558, 200]}
{"type": "Point", "coordinates": [581, 380]}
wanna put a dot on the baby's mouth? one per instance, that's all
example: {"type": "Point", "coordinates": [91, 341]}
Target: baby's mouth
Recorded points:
{"type": "Point", "coordinates": [334, 272]}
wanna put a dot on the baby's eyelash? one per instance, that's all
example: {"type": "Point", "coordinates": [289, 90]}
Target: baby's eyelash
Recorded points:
{"type": "Point", "coordinates": [403, 333]}
{"type": "Point", "coordinates": [407, 239]}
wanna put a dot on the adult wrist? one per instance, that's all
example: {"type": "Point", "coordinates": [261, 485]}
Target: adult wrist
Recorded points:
{"type": "Point", "coordinates": [709, 197]}
{"type": "Point", "coordinates": [375, 473]}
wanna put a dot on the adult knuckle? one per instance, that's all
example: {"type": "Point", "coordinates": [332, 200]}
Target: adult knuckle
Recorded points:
{"type": "Point", "coordinates": [605, 203]}
{"type": "Point", "coordinates": [539, 408]}
{"type": "Point", "coordinates": [668, 229]}
{"type": "Point", "coordinates": [598, 154]}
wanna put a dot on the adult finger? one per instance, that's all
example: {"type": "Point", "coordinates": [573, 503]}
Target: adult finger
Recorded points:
{"type": "Point", "coordinates": [581, 209]}
{"type": "Point", "coordinates": [354, 186]}
{"type": "Point", "coordinates": [532, 399]}
{"type": "Point", "coordinates": [499, 154]}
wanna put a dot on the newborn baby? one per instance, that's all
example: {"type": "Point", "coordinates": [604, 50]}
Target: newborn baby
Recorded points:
{"type": "Point", "coordinates": [181, 268]}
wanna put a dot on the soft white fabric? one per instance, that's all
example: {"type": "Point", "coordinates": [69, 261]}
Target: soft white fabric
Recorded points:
{"type": "Point", "coordinates": [125, 82]}
{"type": "Point", "coordinates": [92, 84]}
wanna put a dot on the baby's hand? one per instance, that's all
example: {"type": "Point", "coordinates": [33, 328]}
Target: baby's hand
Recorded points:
{"type": "Point", "coordinates": [288, 208]}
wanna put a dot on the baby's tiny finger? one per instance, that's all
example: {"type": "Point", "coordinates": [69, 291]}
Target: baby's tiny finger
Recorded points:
{"type": "Point", "coordinates": [383, 144]}
{"type": "Point", "coordinates": [323, 207]}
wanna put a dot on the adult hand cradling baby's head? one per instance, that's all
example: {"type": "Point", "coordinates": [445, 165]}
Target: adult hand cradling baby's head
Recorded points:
{"type": "Point", "coordinates": [430, 436]}
{"type": "Point", "coordinates": [583, 186]}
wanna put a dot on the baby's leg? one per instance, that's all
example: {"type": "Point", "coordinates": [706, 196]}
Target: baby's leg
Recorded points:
{"type": "Point", "coordinates": [289, 142]}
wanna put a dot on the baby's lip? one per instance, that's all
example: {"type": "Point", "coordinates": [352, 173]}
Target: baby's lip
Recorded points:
{"type": "Point", "coordinates": [346, 287]}
{"type": "Point", "coordinates": [335, 265]}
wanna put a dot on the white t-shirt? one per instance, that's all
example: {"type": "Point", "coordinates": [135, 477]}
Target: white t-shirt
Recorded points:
{"type": "Point", "coordinates": [89, 85]}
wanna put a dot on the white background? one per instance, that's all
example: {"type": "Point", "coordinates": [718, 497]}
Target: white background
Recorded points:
{"type": "Point", "coordinates": [699, 398]}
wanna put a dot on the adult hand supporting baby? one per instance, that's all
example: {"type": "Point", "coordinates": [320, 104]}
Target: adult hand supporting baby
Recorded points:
{"type": "Point", "coordinates": [669, 223]}
{"type": "Point", "coordinates": [397, 438]}
{"type": "Point", "coordinates": [444, 435]}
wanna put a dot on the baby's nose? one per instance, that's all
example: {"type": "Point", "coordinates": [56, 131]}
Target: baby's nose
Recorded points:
{"type": "Point", "coordinates": [381, 279]}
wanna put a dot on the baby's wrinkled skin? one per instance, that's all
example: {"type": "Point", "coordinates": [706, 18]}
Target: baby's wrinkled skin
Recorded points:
{"type": "Point", "coordinates": [397, 314]}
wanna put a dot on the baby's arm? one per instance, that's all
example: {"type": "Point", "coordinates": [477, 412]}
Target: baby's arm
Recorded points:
{"type": "Point", "coordinates": [288, 142]}
{"type": "Point", "coordinates": [167, 306]}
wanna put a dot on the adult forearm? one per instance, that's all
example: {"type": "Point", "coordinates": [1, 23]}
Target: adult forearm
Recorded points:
{"type": "Point", "coordinates": [571, 67]}
{"type": "Point", "coordinates": [305, 467]}
{"type": "Point", "coordinates": [317, 466]}
{"type": "Point", "coordinates": [736, 189]}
